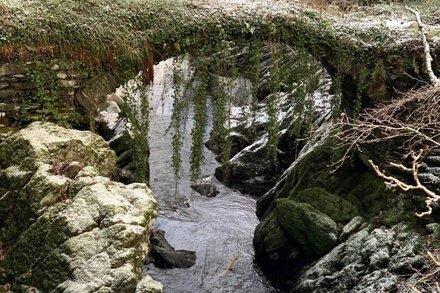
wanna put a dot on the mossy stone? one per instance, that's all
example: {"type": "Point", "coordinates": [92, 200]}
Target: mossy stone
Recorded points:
{"type": "Point", "coordinates": [336, 207]}
{"type": "Point", "coordinates": [315, 232]}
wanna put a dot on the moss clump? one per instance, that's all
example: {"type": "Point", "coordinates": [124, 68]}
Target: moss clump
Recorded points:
{"type": "Point", "coordinates": [337, 208]}
{"type": "Point", "coordinates": [315, 232]}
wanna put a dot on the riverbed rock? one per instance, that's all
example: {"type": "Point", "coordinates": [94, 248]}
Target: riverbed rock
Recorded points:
{"type": "Point", "coordinates": [41, 143]}
{"type": "Point", "coordinates": [165, 256]}
{"type": "Point", "coordinates": [76, 233]}
{"type": "Point", "coordinates": [206, 189]}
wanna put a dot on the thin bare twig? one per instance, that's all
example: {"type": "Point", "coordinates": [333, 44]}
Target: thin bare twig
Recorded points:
{"type": "Point", "coordinates": [391, 181]}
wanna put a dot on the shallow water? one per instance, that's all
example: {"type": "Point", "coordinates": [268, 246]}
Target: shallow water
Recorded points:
{"type": "Point", "coordinates": [217, 229]}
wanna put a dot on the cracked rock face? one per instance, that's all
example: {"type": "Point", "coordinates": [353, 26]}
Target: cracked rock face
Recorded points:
{"type": "Point", "coordinates": [73, 231]}
{"type": "Point", "coordinates": [371, 260]}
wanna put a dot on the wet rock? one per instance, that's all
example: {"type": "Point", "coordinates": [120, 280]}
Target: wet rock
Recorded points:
{"type": "Point", "coordinates": [148, 285]}
{"type": "Point", "coordinates": [238, 142]}
{"type": "Point", "coordinates": [107, 119]}
{"type": "Point", "coordinates": [356, 224]}
{"type": "Point", "coordinates": [127, 175]}
{"type": "Point", "coordinates": [165, 256]}
{"type": "Point", "coordinates": [206, 189]}
{"type": "Point", "coordinates": [368, 261]}
{"type": "Point", "coordinates": [250, 171]}
{"type": "Point", "coordinates": [120, 143]}
{"type": "Point", "coordinates": [434, 229]}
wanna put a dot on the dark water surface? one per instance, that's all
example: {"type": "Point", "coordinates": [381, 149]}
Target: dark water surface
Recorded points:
{"type": "Point", "coordinates": [217, 229]}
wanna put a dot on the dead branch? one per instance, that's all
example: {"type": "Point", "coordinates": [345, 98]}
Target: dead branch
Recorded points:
{"type": "Point", "coordinates": [434, 260]}
{"type": "Point", "coordinates": [410, 123]}
{"type": "Point", "coordinates": [426, 50]}
{"type": "Point", "coordinates": [393, 182]}
{"type": "Point", "coordinates": [230, 266]}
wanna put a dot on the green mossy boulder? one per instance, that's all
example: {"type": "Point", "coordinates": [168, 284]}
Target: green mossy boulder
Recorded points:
{"type": "Point", "coordinates": [336, 207]}
{"type": "Point", "coordinates": [315, 232]}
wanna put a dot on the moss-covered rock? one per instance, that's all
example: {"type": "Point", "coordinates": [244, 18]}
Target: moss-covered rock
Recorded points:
{"type": "Point", "coordinates": [271, 241]}
{"type": "Point", "coordinates": [337, 208]}
{"type": "Point", "coordinates": [315, 232]}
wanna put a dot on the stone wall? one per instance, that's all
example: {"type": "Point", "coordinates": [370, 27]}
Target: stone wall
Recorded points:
{"type": "Point", "coordinates": [57, 90]}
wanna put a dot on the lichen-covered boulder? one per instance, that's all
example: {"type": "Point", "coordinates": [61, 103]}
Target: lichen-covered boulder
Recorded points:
{"type": "Point", "coordinates": [66, 228]}
{"type": "Point", "coordinates": [371, 260]}
{"type": "Point", "coordinates": [41, 143]}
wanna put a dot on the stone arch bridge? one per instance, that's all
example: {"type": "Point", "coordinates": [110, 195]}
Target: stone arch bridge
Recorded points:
{"type": "Point", "coordinates": [87, 44]}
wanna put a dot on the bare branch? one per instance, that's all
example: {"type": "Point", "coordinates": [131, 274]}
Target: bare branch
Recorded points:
{"type": "Point", "coordinates": [432, 197]}
{"type": "Point", "coordinates": [426, 50]}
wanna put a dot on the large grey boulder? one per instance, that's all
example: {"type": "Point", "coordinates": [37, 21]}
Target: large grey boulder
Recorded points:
{"type": "Point", "coordinates": [371, 260]}
{"type": "Point", "coordinates": [67, 228]}
{"type": "Point", "coordinates": [41, 143]}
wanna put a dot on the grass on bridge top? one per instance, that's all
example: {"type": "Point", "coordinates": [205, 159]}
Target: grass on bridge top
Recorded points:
{"type": "Point", "coordinates": [123, 32]}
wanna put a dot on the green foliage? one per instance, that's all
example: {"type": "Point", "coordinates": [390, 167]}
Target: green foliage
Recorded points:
{"type": "Point", "coordinates": [176, 119]}
{"type": "Point", "coordinates": [255, 56]}
{"type": "Point", "coordinates": [136, 110]}
{"type": "Point", "coordinates": [221, 111]}
{"type": "Point", "coordinates": [198, 131]}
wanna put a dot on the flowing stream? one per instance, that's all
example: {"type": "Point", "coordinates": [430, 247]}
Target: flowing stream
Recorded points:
{"type": "Point", "coordinates": [217, 229]}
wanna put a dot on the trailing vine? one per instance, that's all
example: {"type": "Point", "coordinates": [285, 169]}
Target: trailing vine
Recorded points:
{"type": "Point", "coordinates": [255, 56]}
{"type": "Point", "coordinates": [336, 98]}
{"type": "Point", "coordinates": [176, 119]}
{"type": "Point", "coordinates": [220, 116]}
{"type": "Point", "coordinates": [362, 85]}
{"type": "Point", "coordinates": [136, 109]}
{"type": "Point", "coordinates": [198, 131]}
